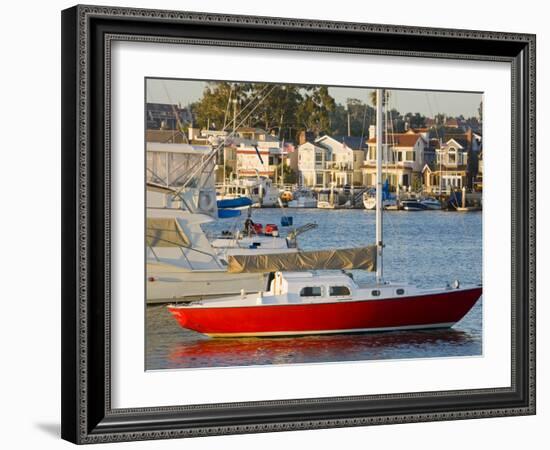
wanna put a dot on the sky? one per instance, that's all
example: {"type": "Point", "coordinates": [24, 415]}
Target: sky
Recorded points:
{"type": "Point", "coordinates": [427, 103]}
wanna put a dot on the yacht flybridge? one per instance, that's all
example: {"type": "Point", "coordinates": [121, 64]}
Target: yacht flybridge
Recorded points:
{"type": "Point", "coordinates": [182, 263]}
{"type": "Point", "coordinates": [302, 301]}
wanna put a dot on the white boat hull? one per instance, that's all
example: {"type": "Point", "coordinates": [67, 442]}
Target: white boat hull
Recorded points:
{"type": "Point", "coordinates": [167, 284]}
{"type": "Point", "coordinates": [370, 204]}
{"type": "Point", "coordinates": [303, 203]}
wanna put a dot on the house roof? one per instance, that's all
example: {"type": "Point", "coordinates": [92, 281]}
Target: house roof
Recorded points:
{"type": "Point", "coordinates": [320, 144]}
{"type": "Point", "coordinates": [310, 145]}
{"type": "Point", "coordinates": [460, 141]}
{"type": "Point", "coordinates": [399, 139]}
{"type": "Point", "coordinates": [353, 142]}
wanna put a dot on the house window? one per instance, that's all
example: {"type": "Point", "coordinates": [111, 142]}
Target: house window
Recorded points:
{"type": "Point", "coordinates": [410, 156]}
{"type": "Point", "coordinates": [311, 291]}
{"type": "Point", "coordinates": [399, 156]}
{"type": "Point", "coordinates": [319, 179]}
{"type": "Point", "coordinates": [336, 291]}
{"type": "Point", "coordinates": [452, 156]}
{"type": "Point", "coordinates": [318, 157]}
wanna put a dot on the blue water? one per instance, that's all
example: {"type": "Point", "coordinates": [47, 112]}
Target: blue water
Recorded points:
{"type": "Point", "coordinates": [427, 249]}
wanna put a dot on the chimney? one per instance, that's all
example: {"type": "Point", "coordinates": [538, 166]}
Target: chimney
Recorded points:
{"type": "Point", "coordinates": [372, 131]}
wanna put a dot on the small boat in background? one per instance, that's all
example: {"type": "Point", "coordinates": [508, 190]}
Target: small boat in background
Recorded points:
{"type": "Point", "coordinates": [331, 199]}
{"type": "Point", "coordinates": [431, 203]}
{"type": "Point", "coordinates": [303, 198]}
{"type": "Point", "coordinates": [369, 202]}
{"type": "Point", "coordinates": [388, 201]}
{"type": "Point", "coordinates": [260, 190]}
{"type": "Point", "coordinates": [413, 204]}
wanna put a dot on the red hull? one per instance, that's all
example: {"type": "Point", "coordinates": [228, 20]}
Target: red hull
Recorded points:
{"type": "Point", "coordinates": [425, 311]}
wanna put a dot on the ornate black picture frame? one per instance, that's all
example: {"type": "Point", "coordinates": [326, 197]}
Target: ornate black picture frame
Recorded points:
{"type": "Point", "coordinates": [87, 35]}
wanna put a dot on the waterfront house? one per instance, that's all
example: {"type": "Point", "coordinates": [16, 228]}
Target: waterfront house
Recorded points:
{"type": "Point", "coordinates": [257, 157]}
{"type": "Point", "coordinates": [450, 168]}
{"type": "Point", "coordinates": [456, 162]}
{"type": "Point", "coordinates": [161, 116]}
{"type": "Point", "coordinates": [358, 146]}
{"type": "Point", "coordinates": [312, 167]}
{"type": "Point", "coordinates": [340, 164]}
{"type": "Point", "coordinates": [403, 158]}
{"type": "Point", "coordinates": [331, 161]}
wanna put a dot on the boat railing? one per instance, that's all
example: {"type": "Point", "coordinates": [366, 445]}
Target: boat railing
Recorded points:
{"type": "Point", "coordinates": [214, 258]}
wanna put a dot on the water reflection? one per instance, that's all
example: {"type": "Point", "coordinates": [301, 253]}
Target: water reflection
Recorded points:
{"type": "Point", "coordinates": [308, 349]}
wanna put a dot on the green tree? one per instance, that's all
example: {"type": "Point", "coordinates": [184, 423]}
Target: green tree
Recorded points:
{"type": "Point", "coordinates": [360, 117]}
{"type": "Point", "coordinates": [289, 175]}
{"type": "Point", "coordinates": [313, 112]}
{"type": "Point", "coordinates": [215, 109]}
{"type": "Point", "coordinates": [277, 107]}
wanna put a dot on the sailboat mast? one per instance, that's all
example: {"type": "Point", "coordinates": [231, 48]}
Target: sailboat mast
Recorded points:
{"type": "Point", "coordinates": [379, 138]}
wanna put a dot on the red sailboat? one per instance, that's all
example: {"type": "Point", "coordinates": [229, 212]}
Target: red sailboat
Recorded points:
{"type": "Point", "coordinates": [300, 301]}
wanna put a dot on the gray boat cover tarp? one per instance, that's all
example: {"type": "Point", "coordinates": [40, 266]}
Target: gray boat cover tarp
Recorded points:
{"type": "Point", "coordinates": [165, 232]}
{"type": "Point", "coordinates": [349, 258]}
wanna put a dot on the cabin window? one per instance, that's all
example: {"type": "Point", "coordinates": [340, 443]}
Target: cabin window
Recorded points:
{"type": "Point", "coordinates": [311, 291]}
{"type": "Point", "coordinates": [375, 293]}
{"type": "Point", "coordinates": [400, 291]}
{"type": "Point", "coordinates": [339, 290]}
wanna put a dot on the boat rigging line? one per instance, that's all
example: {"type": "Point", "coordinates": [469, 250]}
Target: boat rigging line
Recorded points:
{"type": "Point", "coordinates": [202, 164]}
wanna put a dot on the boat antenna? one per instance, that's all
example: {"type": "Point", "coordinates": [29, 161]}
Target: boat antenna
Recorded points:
{"type": "Point", "coordinates": [379, 138]}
